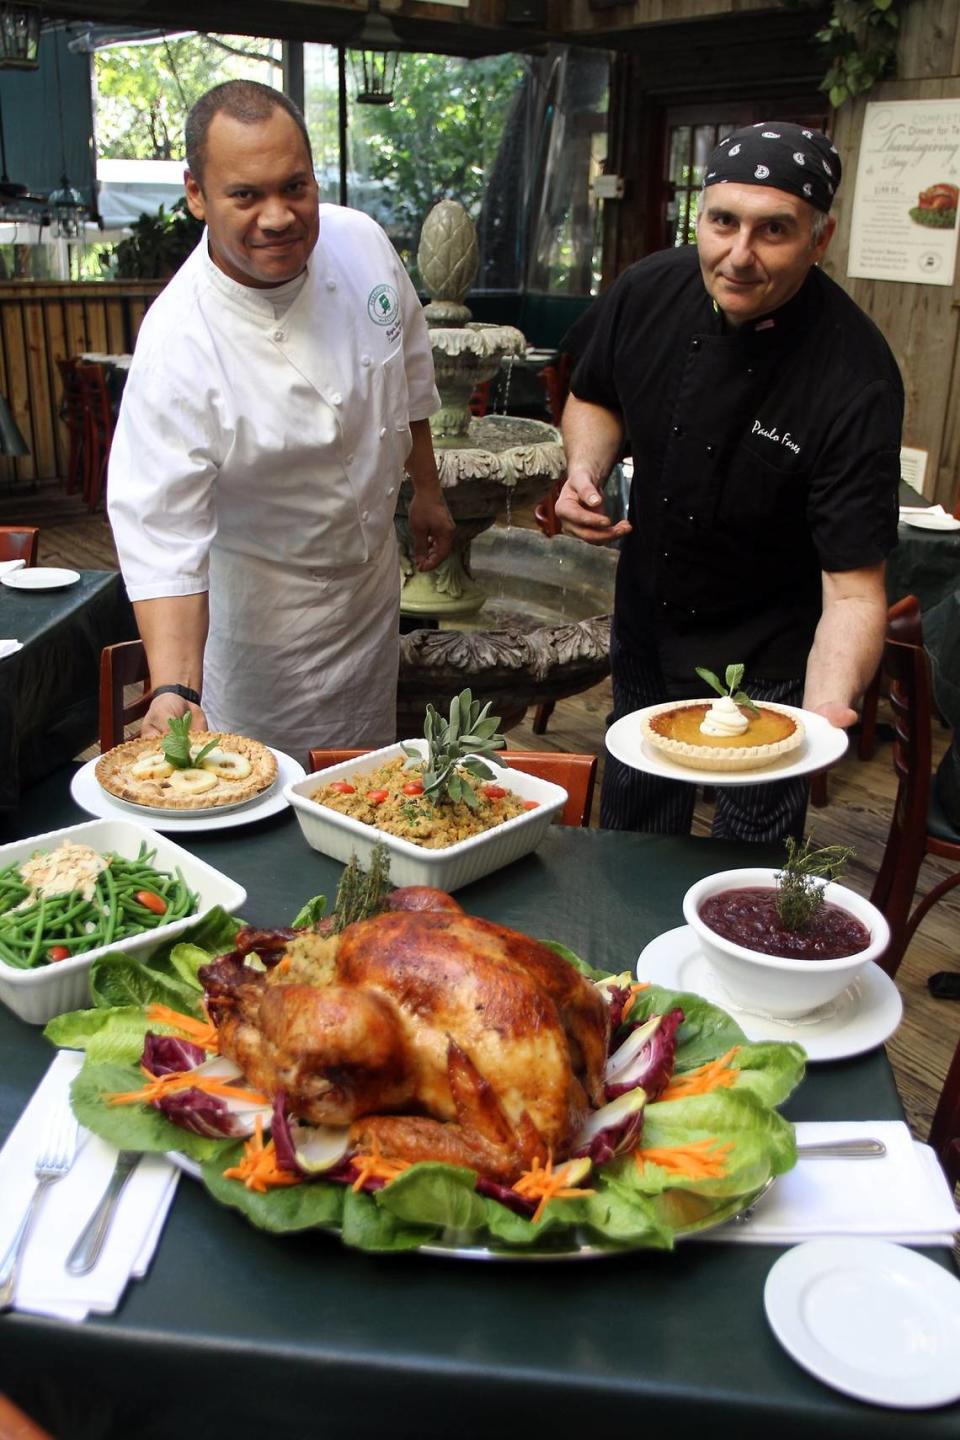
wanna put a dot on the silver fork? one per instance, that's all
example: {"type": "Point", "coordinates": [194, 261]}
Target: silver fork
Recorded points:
{"type": "Point", "coordinates": [54, 1158]}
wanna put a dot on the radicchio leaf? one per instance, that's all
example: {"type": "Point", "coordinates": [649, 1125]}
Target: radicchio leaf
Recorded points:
{"type": "Point", "coordinates": [649, 1063]}
{"type": "Point", "coordinates": [203, 1114]}
{"type": "Point", "coordinates": [169, 1055]}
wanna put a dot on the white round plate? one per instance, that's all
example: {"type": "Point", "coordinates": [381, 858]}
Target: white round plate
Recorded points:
{"type": "Point", "coordinates": [197, 812]}
{"type": "Point", "coordinates": [40, 578]}
{"type": "Point", "coordinates": [822, 745]}
{"type": "Point", "coordinates": [866, 1014]}
{"type": "Point", "coordinates": [931, 522]}
{"type": "Point", "coordinates": [872, 1319]}
{"type": "Point", "coordinates": [90, 796]}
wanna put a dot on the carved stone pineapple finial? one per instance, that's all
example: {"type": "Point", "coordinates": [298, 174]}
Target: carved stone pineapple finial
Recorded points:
{"type": "Point", "coordinates": [448, 261]}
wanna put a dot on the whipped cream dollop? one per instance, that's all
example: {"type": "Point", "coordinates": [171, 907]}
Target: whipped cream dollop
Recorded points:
{"type": "Point", "coordinates": [724, 718]}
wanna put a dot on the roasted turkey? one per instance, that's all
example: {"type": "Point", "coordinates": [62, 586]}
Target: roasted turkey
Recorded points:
{"type": "Point", "coordinates": [436, 1034]}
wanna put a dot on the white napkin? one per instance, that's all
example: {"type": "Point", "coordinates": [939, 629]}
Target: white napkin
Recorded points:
{"type": "Point", "coordinates": [9, 647]}
{"type": "Point", "coordinates": [930, 510]}
{"type": "Point", "coordinates": [7, 567]}
{"type": "Point", "coordinates": [903, 1196]}
{"type": "Point", "coordinates": [44, 1287]}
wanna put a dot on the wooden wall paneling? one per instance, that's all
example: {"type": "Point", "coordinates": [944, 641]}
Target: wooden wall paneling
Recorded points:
{"type": "Point", "coordinates": [41, 409]}
{"type": "Point", "coordinates": [116, 328]}
{"type": "Point", "coordinates": [95, 321]}
{"type": "Point", "coordinates": [136, 309]}
{"type": "Point", "coordinates": [17, 389]}
{"type": "Point", "coordinates": [75, 326]}
{"type": "Point", "coordinates": [929, 41]}
{"type": "Point", "coordinates": [56, 334]}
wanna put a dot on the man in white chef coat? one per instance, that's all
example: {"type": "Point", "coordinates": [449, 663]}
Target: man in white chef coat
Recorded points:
{"type": "Point", "coordinates": [281, 384]}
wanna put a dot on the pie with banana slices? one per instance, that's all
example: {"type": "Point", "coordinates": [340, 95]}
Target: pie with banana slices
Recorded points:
{"type": "Point", "coordinates": [235, 770]}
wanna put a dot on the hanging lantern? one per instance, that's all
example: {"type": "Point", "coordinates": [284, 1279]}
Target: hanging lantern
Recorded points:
{"type": "Point", "coordinates": [374, 58]}
{"type": "Point", "coordinates": [19, 37]}
{"type": "Point", "coordinates": [68, 210]}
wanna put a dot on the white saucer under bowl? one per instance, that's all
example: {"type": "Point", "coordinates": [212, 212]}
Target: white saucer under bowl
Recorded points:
{"type": "Point", "coordinates": [872, 1319]}
{"type": "Point", "coordinates": [863, 1017]}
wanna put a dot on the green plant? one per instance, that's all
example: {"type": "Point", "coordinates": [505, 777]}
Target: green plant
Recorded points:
{"type": "Point", "coordinates": [158, 245]}
{"type": "Point", "coordinates": [799, 893]}
{"type": "Point", "coordinates": [860, 43]}
{"type": "Point", "coordinates": [454, 747]}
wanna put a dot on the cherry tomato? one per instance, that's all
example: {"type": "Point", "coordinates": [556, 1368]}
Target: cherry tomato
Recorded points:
{"type": "Point", "coordinates": [531, 804]}
{"type": "Point", "coordinates": [340, 787]}
{"type": "Point", "coordinates": [377, 797]}
{"type": "Point", "coordinates": [58, 952]}
{"type": "Point", "coordinates": [494, 792]}
{"type": "Point", "coordinates": [415, 787]}
{"type": "Point", "coordinates": [149, 901]}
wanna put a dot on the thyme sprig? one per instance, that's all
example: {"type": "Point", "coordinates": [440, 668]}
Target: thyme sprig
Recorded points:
{"type": "Point", "coordinates": [362, 893]}
{"type": "Point", "coordinates": [800, 884]}
{"type": "Point", "coordinates": [734, 678]}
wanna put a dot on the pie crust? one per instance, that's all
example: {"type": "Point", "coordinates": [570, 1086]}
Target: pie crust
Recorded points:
{"type": "Point", "coordinates": [674, 730]}
{"type": "Point", "coordinates": [113, 773]}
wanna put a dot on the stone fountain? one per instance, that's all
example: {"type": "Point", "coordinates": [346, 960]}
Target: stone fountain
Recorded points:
{"type": "Point", "coordinates": [521, 618]}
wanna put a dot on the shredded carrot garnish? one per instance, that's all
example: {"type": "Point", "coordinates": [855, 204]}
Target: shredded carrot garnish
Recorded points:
{"type": "Point", "coordinates": [700, 1160]}
{"type": "Point", "coordinates": [159, 1085]}
{"type": "Point", "coordinates": [372, 1165]}
{"type": "Point", "coordinates": [201, 1032]}
{"type": "Point", "coordinates": [716, 1074]}
{"type": "Point", "coordinates": [634, 992]}
{"type": "Point", "coordinates": [543, 1183]}
{"type": "Point", "coordinates": [259, 1169]}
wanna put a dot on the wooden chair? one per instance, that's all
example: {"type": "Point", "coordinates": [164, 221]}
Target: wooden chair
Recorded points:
{"type": "Point", "coordinates": [71, 413]}
{"type": "Point", "coordinates": [97, 428]}
{"type": "Point", "coordinates": [121, 666]}
{"type": "Point", "coordinates": [19, 542]}
{"type": "Point", "coordinates": [576, 773]}
{"type": "Point", "coordinates": [918, 827]}
{"type": "Point", "coordinates": [945, 1130]}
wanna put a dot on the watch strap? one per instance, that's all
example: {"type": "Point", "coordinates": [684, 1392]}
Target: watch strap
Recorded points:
{"type": "Point", "coordinates": [183, 691]}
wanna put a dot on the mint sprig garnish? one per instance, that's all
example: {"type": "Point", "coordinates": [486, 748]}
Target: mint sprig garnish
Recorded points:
{"type": "Point", "coordinates": [734, 678]}
{"type": "Point", "coordinates": [176, 745]}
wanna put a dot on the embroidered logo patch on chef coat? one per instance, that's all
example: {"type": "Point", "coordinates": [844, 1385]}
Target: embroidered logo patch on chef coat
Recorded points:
{"type": "Point", "coordinates": [383, 305]}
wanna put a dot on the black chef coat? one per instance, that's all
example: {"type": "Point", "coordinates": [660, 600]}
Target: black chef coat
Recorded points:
{"type": "Point", "coordinates": [762, 456]}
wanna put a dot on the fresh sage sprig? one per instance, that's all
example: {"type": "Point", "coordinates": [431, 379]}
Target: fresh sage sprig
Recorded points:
{"type": "Point", "coordinates": [734, 679]}
{"type": "Point", "coordinates": [176, 745]}
{"type": "Point", "coordinates": [454, 746]}
{"type": "Point", "coordinates": [799, 887]}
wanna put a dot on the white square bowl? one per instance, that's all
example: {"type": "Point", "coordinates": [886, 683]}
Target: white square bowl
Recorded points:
{"type": "Point", "coordinates": [37, 995]}
{"type": "Point", "coordinates": [341, 836]}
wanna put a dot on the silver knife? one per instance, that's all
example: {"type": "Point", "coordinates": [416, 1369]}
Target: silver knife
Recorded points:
{"type": "Point", "coordinates": [854, 1149]}
{"type": "Point", "coordinates": [86, 1251]}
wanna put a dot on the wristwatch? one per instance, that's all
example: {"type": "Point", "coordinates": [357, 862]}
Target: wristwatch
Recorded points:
{"type": "Point", "coordinates": [183, 691]}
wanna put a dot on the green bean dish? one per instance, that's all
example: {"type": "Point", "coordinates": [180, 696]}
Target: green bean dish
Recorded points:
{"type": "Point", "coordinates": [71, 900]}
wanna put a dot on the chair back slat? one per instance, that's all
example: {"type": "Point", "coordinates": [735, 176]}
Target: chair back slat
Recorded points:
{"type": "Point", "coordinates": [122, 666]}
{"type": "Point", "coordinates": [576, 773]}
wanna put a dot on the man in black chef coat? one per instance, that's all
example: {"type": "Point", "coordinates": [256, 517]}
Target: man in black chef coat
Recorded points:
{"type": "Point", "coordinates": [763, 410]}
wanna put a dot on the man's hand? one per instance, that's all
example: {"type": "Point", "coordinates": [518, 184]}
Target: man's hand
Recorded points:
{"type": "Point", "coordinates": [168, 707]}
{"type": "Point", "coordinates": [839, 714]}
{"type": "Point", "coordinates": [431, 528]}
{"type": "Point", "coordinates": [579, 508]}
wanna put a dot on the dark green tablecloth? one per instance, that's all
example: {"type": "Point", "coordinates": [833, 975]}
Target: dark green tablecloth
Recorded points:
{"type": "Point", "coordinates": [49, 689]}
{"type": "Point", "coordinates": [926, 563]}
{"type": "Point", "coordinates": [235, 1333]}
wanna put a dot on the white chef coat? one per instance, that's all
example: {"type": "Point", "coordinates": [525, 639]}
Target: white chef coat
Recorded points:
{"type": "Point", "coordinates": [259, 457]}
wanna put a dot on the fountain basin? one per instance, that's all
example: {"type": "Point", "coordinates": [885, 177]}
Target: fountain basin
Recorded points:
{"type": "Point", "coordinates": [543, 634]}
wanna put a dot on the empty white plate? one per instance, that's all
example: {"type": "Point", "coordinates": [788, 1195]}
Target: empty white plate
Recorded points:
{"type": "Point", "coordinates": [872, 1319]}
{"type": "Point", "coordinates": [41, 577]}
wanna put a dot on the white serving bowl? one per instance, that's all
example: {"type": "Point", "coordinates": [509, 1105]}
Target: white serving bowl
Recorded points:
{"type": "Point", "coordinates": [37, 995]}
{"type": "Point", "coordinates": [769, 983]}
{"type": "Point", "coordinates": [341, 836]}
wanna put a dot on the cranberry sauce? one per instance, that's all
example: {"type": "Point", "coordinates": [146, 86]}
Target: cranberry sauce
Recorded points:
{"type": "Point", "coordinates": [749, 917]}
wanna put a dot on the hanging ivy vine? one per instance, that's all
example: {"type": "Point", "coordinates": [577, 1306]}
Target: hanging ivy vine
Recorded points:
{"type": "Point", "coordinates": [859, 43]}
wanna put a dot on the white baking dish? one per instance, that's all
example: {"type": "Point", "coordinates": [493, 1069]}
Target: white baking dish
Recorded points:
{"type": "Point", "coordinates": [38, 995]}
{"type": "Point", "coordinates": [341, 836]}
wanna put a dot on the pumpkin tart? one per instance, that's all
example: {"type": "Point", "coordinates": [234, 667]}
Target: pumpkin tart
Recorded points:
{"type": "Point", "coordinates": [673, 730]}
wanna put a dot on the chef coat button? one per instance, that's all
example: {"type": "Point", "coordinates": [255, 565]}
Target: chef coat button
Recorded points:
{"type": "Point", "coordinates": [666, 554]}
{"type": "Point", "coordinates": [364, 359]}
{"type": "Point", "coordinates": [690, 518]}
{"type": "Point", "coordinates": [383, 432]}
{"type": "Point", "coordinates": [331, 284]}
{"type": "Point", "coordinates": [693, 610]}
{"type": "Point", "coordinates": [278, 334]}
{"type": "Point", "coordinates": [750, 370]}
{"type": "Point", "coordinates": [337, 398]}
{"type": "Point", "coordinates": [694, 344]}
{"type": "Point", "coordinates": [665, 499]}
{"type": "Point", "coordinates": [676, 430]}
{"type": "Point", "coordinates": [663, 604]}
{"type": "Point", "coordinates": [711, 449]}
